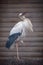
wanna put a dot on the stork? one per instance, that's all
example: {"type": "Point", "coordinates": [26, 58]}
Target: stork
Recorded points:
{"type": "Point", "coordinates": [19, 31]}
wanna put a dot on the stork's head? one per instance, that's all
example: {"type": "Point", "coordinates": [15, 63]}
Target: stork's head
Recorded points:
{"type": "Point", "coordinates": [21, 16]}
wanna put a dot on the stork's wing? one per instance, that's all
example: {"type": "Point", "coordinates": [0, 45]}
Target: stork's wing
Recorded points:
{"type": "Point", "coordinates": [12, 39]}
{"type": "Point", "coordinates": [14, 34]}
{"type": "Point", "coordinates": [17, 28]}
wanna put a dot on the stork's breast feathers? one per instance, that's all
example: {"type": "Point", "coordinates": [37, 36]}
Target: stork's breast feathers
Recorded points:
{"type": "Point", "coordinates": [28, 24]}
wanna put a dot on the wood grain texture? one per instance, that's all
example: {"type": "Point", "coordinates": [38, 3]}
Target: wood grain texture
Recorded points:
{"type": "Point", "coordinates": [33, 54]}
{"type": "Point", "coordinates": [22, 49]}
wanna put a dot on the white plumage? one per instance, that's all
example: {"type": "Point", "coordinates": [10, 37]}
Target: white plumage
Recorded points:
{"type": "Point", "coordinates": [17, 28]}
{"type": "Point", "coordinates": [22, 26]}
{"type": "Point", "coordinates": [18, 31]}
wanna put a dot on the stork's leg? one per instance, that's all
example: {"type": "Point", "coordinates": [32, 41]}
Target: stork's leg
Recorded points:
{"type": "Point", "coordinates": [17, 51]}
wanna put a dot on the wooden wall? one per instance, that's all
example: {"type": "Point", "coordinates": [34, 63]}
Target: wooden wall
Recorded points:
{"type": "Point", "coordinates": [33, 43]}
